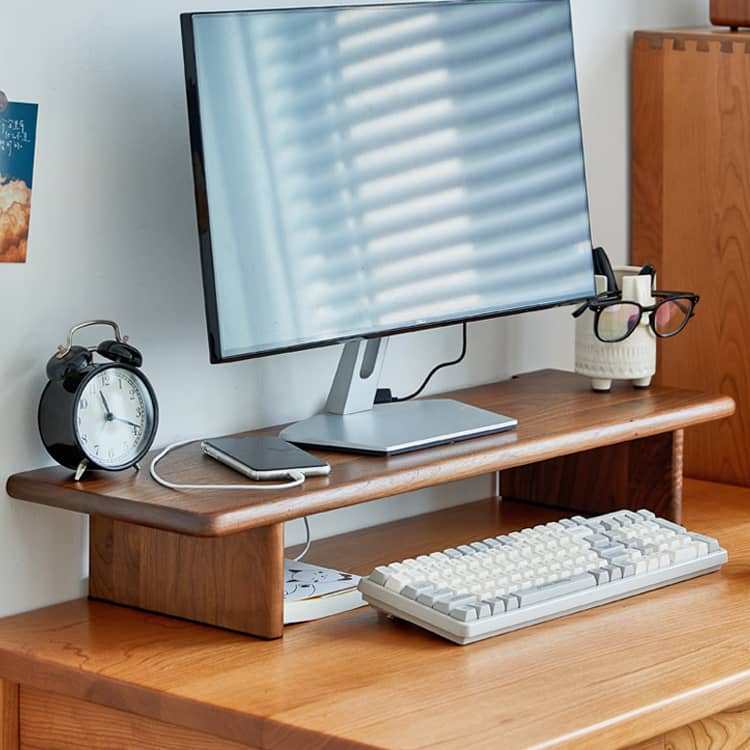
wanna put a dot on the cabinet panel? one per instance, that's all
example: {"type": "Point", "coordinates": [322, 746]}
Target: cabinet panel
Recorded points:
{"type": "Point", "coordinates": [691, 218]}
{"type": "Point", "coordinates": [57, 722]}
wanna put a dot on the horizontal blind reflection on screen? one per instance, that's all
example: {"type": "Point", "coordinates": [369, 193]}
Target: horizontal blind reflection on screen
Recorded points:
{"type": "Point", "coordinates": [410, 164]}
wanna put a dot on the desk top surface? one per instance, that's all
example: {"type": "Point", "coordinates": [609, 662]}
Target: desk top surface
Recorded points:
{"type": "Point", "coordinates": [557, 414]}
{"type": "Point", "coordinates": [605, 677]}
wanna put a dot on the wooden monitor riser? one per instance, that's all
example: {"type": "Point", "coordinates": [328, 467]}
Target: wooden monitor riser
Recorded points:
{"type": "Point", "coordinates": [217, 557]}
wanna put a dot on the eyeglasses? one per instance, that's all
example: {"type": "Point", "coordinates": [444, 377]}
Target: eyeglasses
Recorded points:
{"type": "Point", "coordinates": [615, 319]}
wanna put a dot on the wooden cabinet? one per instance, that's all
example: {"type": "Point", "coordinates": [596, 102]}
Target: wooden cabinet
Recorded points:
{"type": "Point", "coordinates": [732, 13]}
{"type": "Point", "coordinates": [691, 218]}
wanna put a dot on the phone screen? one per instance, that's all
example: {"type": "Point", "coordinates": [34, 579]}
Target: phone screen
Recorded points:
{"type": "Point", "coordinates": [266, 453]}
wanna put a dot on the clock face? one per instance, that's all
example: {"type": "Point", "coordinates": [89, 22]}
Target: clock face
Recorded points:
{"type": "Point", "coordinates": [114, 418]}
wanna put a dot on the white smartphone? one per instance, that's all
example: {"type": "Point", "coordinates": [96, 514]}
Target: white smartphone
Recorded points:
{"type": "Point", "coordinates": [264, 457]}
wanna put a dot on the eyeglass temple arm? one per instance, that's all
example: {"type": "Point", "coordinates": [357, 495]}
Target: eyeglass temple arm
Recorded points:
{"type": "Point", "coordinates": [649, 270]}
{"type": "Point", "coordinates": [581, 310]}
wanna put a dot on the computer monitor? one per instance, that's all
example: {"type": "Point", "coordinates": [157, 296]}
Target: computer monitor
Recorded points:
{"type": "Point", "coordinates": [367, 170]}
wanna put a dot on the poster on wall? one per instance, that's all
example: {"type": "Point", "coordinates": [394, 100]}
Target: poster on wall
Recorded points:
{"type": "Point", "coordinates": [17, 143]}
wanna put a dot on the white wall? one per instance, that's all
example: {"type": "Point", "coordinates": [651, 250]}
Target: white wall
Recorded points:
{"type": "Point", "coordinates": [113, 236]}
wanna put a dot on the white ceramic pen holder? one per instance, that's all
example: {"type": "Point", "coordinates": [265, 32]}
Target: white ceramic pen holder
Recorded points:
{"type": "Point", "coordinates": [632, 359]}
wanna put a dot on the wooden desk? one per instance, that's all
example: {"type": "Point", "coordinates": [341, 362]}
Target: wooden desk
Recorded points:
{"type": "Point", "coordinates": [217, 557]}
{"type": "Point", "coordinates": [95, 675]}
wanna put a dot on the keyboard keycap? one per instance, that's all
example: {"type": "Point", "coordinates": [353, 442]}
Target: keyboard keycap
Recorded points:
{"type": "Point", "coordinates": [430, 599]}
{"type": "Point", "coordinates": [413, 590]}
{"type": "Point", "coordinates": [713, 544]}
{"type": "Point", "coordinates": [555, 590]}
{"type": "Point", "coordinates": [457, 600]}
{"type": "Point", "coordinates": [600, 576]}
{"type": "Point", "coordinates": [482, 609]}
{"type": "Point", "coordinates": [467, 613]}
{"type": "Point", "coordinates": [380, 575]}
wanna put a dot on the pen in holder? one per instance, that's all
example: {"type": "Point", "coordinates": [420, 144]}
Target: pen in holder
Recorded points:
{"type": "Point", "coordinates": [632, 359]}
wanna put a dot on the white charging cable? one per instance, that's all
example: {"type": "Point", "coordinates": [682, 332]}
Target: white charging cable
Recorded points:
{"type": "Point", "coordinates": [296, 477]}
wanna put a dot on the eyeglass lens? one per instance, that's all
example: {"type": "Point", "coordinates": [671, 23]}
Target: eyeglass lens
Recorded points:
{"type": "Point", "coordinates": [618, 321]}
{"type": "Point", "coordinates": [671, 315]}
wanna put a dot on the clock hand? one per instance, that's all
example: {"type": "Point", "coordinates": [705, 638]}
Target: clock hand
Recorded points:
{"type": "Point", "coordinates": [125, 421]}
{"type": "Point", "coordinates": [106, 406]}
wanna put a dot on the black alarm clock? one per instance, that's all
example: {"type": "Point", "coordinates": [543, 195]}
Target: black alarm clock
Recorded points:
{"type": "Point", "coordinates": [97, 414]}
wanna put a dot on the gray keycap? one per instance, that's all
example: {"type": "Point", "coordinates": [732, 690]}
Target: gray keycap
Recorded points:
{"type": "Point", "coordinates": [627, 568]}
{"type": "Point", "coordinates": [413, 590]}
{"type": "Point", "coordinates": [568, 522]}
{"type": "Point", "coordinates": [554, 590]}
{"type": "Point", "coordinates": [713, 544]}
{"type": "Point", "coordinates": [647, 514]}
{"type": "Point", "coordinates": [479, 546]}
{"type": "Point", "coordinates": [669, 525]}
{"type": "Point", "coordinates": [492, 543]}
{"type": "Point", "coordinates": [611, 552]}
{"type": "Point", "coordinates": [482, 609]}
{"type": "Point", "coordinates": [434, 596]}
{"type": "Point", "coordinates": [598, 540]}
{"type": "Point", "coordinates": [618, 537]}
{"type": "Point", "coordinates": [465, 549]}
{"type": "Point", "coordinates": [457, 600]}
{"type": "Point", "coordinates": [454, 553]}
{"type": "Point", "coordinates": [497, 604]}
{"type": "Point", "coordinates": [622, 562]}
{"type": "Point", "coordinates": [628, 515]}
{"type": "Point", "coordinates": [511, 601]}
{"type": "Point", "coordinates": [615, 573]}
{"type": "Point", "coordinates": [467, 613]}
{"type": "Point", "coordinates": [601, 576]}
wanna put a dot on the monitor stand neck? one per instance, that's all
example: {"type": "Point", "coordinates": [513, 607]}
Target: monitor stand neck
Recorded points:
{"type": "Point", "coordinates": [357, 376]}
{"type": "Point", "coordinates": [351, 422]}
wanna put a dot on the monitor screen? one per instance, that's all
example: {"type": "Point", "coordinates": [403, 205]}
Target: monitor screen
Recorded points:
{"type": "Point", "coordinates": [368, 170]}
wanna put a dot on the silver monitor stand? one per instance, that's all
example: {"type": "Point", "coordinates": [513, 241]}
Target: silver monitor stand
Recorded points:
{"type": "Point", "coordinates": [351, 422]}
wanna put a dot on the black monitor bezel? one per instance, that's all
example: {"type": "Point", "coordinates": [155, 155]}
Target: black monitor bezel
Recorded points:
{"type": "Point", "coordinates": [201, 199]}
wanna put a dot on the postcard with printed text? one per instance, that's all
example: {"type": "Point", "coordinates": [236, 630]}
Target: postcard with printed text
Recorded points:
{"type": "Point", "coordinates": [17, 142]}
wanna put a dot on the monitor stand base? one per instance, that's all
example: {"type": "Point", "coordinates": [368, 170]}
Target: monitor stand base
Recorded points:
{"type": "Point", "coordinates": [387, 429]}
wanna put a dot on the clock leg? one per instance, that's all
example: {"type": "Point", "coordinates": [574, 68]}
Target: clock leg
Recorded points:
{"type": "Point", "coordinates": [81, 470]}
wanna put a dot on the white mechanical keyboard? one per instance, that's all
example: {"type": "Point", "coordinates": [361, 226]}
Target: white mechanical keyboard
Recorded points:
{"type": "Point", "coordinates": [486, 588]}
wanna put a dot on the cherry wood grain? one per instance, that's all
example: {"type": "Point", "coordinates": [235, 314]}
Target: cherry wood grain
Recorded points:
{"type": "Point", "coordinates": [656, 743]}
{"type": "Point", "coordinates": [56, 722]}
{"type": "Point", "coordinates": [726, 730]}
{"type": "Point", "coordinates": [8, 715]}
{"type": "Point", "coordinates": [730, 12]}
{"type": "Point", "coordinates": [557, 412]}
{"type": "Point", "coordinates": [234, 582]}
{"type": "Point", "coordinates": [645, 473]}
{"type": "Point", "coordinates": [691, 218]}
{"type": "Point", "coordinates": [604, 678]}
